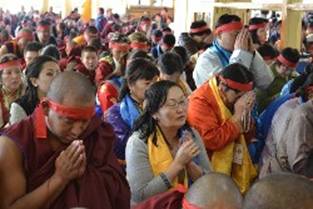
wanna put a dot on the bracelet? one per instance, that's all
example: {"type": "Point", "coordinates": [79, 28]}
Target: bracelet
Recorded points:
{"type": "Point", "coordinates": [165, 180]}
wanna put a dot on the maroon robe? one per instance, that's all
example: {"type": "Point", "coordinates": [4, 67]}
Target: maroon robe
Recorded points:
{"type": "Point", "coordinates": [103, 185]}
{"type": "Point", "coordinates": [171, 199]}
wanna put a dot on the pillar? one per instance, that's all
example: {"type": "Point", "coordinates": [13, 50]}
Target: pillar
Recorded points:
{"type": "Point", "coordinates": [291, 26]}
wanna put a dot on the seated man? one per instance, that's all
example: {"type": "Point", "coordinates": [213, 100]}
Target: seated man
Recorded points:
{"type": "Point", "coordinates": [84, 39]}
{"type": "Point", "coordinates": [198, 37]}
{"type": "Point", "coordinates": [61, 156]}
{"type": "Point", "coordinates": [165, 45]}
{"type": "Point", "coordinates": [233, 44]}
{"type": "Point", "coordinates": [213, 191]}
{"type": "Point", "coordinates": [287, 191]}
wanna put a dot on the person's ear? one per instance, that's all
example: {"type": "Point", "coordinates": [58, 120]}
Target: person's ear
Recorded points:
{"type": "Point", "coordinates": [34, 81]}
{"type": "Point", "coordinates": [156, 116]}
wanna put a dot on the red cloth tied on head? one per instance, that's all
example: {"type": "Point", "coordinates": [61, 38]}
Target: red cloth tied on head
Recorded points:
{"type": "Point", "coordinates": [257, 26]}
{"type": "Point", "coordinates": [43, 27]}
{"type": "Point", "coordinates": [28, 36]}
{"type": "Point", "coordinates": [236, 85]}
{"type": "Point", "coordinates": [139, 45]}
{"type": "Point", "coordinates": [199, 29]}
{"type": "Point", "coordinates": [286, 62]}
{"type": "Point", "coordinates": [119, 46]}
{"type": "Point", "coordinates": [78, 113]}
{"type": "Point", "coordinates": [188, 205]}
{"type": "Point", "coordinates": [10, 64]}
{"type": "Point", "coordinates": [229, 27]}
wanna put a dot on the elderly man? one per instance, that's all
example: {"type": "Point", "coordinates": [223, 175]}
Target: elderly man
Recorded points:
{"type": "Point", "coordinates": [61, 156]}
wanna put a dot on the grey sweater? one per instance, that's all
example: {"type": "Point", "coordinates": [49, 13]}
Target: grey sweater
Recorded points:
{"type": "Point", "coordinates": [143, 184]}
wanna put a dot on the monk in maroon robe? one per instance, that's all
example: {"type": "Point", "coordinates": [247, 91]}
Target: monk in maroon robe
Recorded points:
{"type": "Point", "coordinates": [61, 156]}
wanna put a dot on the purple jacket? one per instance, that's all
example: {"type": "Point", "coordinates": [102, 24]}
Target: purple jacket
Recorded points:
{"type": "Point", "coordinates": [121, 129]}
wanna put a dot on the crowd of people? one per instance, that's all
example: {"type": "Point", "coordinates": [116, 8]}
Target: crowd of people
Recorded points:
{"type": "Point", "coordinates": [119, 113]}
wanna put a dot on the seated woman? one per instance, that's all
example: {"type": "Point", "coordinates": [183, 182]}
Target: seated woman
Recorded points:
{"type": "Point", "coordinates": [11, 87]}
{"type": "Point", "coordinates": [140, 74]}
{"type": "Point", "coordinates": [164, 150]}
{"type": "Point", "coordinates": [258, 29]}
{"type": "Point", "coordinates": [39, 73]}
{"type": "Point", "coordinates": [221, 111]}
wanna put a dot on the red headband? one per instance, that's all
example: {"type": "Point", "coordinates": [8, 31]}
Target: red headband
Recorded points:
{"type": "Point", "coordinates": [188, 205]}
{"type": "Point", "coordinates": [138, 45]}
{"type": "Point", "coordinates": [120, 46]}
{"type": "Point", "coordinates": [286, 62]}
{"type": "Point", "coordinates": [236, 85]}
{"type": "Point", "coordinates": [199, 30]}
{"type": "Point", "coordinates": [43, 27]}
{"type": "Point", "coordinates": [229, 27]}
{"type": "Point", "coordinates": [10, 64]}
{"type": "Point", "coordinates": [25, 35]}
{"type": "Point", "coordinates": [257, 26]}
{"type": "Point", "coordinates": [79, 113]}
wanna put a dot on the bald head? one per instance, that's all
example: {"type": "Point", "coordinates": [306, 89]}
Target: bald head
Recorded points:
{"type": "Point", "coordinates": [215, 190]}
{"type": "Point", "coordinates": [280, 191]}
{"type": "Point", "coordinates": [71, 88]}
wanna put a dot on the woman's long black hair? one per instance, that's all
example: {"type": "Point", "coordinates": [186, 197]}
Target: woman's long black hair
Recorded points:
{"type": "Point", "coordinates": [30, 99]}
{"type": "Point", "coordinates": [256, 20]}
{"type": "Point", "coordinates": [155, 97]}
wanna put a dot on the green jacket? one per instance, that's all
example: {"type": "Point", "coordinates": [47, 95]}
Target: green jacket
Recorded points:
{"type": "Point", "coordinates": [265, 97]}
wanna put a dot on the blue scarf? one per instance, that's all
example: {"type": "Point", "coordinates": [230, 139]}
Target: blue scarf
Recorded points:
{"type": "Point", "coordinates": [129, 110]}
{"type": "Point", "coordinates": [222, 53]}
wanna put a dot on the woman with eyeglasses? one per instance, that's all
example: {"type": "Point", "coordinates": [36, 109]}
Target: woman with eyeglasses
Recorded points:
{"type": "Point", "coordinates": [140, 74]}
{"type": "Point", "coordinates": [12, 86]}
{"type": "Point", "coordinates": [163, 150]}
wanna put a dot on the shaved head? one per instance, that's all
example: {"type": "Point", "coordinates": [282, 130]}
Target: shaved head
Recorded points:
{"type": "Point", "coordinates": [280, 191]}
{"type": "Point", "coordinates": [215, 190]}
{"type": "Point", "coordinates": [71, 88]}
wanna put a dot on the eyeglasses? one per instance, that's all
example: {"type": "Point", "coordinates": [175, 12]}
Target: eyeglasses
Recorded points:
{"type": "Point", "coordinates": [176, 104]}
